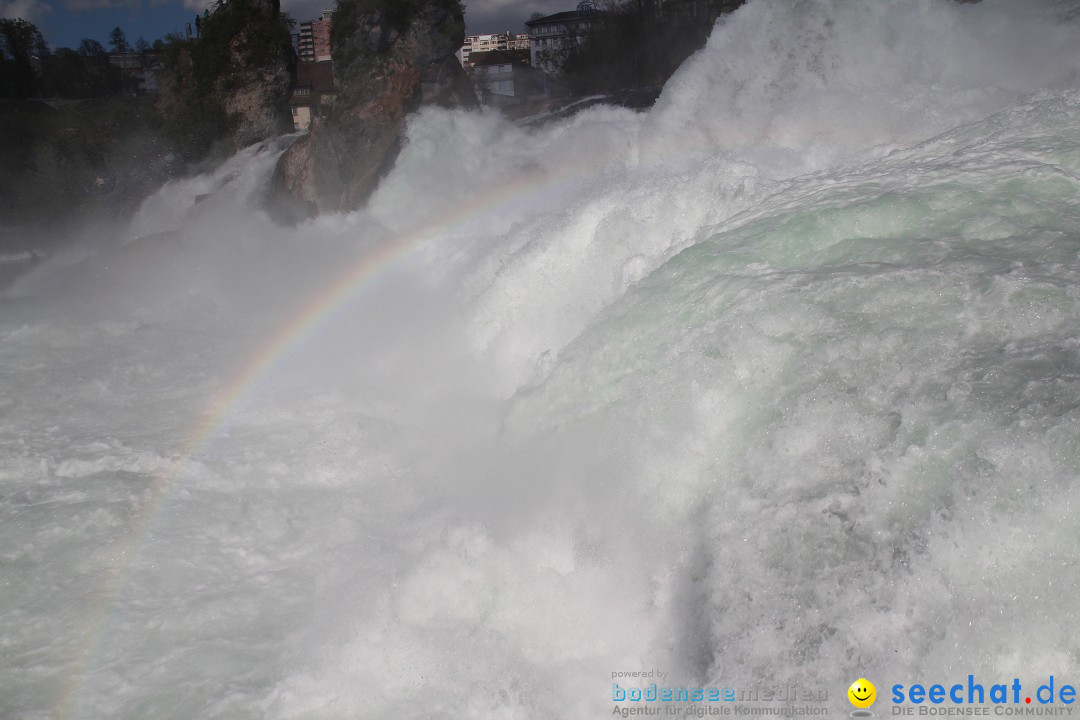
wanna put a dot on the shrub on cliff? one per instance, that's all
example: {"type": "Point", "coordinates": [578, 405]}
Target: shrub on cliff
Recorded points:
{"type": "Point", "coordinates": [364, 31]}
{"type": "Point", "coordinates": [252, 27]}
{"type": "Point", "coordinates": [19, 41]}
{"type": "Point", "coordinates": [245, 43]}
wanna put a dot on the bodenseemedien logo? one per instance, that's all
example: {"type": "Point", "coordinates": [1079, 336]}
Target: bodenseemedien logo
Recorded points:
{"type": "Point", "coordinates": [788, 702]}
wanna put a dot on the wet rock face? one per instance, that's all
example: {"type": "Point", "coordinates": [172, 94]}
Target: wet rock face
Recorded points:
{"type": "Point", "coordinates": [230, 87]}
{"type": "Point", "coordinates": [256, 97]}
{"type": "Point", "coordinates": [67, 163]}
{"type": "Point", "coordinates": [391, 57]}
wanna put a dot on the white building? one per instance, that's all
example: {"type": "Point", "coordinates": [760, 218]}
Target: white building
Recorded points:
{"type": "Point", "coordinates": [490, 43]}
{"type": "Point", "coordinates": [504, 77]}
{"type": "Point", "coordinates": [552, 37]}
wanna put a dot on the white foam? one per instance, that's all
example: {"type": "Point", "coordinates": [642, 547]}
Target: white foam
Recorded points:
{"type": "Point", "coordinates": [773, 384]}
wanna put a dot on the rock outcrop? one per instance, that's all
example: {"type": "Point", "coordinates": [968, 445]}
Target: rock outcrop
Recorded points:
{"type": "Point", "coordinates": [231, 86]}
{"type": "Point", "coordinates": [390, 58]}
{"type": "Point", "coordinates": [68, 161]}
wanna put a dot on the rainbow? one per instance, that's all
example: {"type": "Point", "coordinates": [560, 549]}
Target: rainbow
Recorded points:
{"type": "Point", "coordinates": [304, 323]}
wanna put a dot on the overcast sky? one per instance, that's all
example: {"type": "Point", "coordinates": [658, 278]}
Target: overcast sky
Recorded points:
{"type": "Point", "coordinates": [490, 16]}
{"type": "Point", "coordinates": [65, 22]}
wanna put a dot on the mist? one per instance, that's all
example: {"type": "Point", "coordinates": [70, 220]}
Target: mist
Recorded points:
{"type": "Point", "coordinates": [772, 384]}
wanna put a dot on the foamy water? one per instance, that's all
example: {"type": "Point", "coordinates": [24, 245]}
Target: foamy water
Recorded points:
{"type": "Point", "coordinates": [778, 383]}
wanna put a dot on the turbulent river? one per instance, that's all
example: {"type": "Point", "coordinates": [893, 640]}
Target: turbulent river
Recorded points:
{"type": "Point", "coordinates": [776, 384]}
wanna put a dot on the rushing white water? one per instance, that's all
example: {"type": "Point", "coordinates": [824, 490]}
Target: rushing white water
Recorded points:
{"type": "Point", "coordinates": [777, 383]}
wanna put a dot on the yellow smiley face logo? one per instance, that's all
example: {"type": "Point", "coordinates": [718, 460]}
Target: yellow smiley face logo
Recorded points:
{"type": "Point", "coordinates": [862, 693]}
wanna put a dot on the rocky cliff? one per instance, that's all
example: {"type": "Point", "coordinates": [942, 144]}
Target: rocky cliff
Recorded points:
{"type": "Point", "coordinates": [390, 58]}
{"type": "Point", "coordinates": [69, 161]}
{"type": "Point", "coordinates": [230, 87]}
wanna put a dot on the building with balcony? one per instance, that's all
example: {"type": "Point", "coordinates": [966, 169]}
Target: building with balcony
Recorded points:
{"type": "Point", "coordinates": [490, 43]}
{"type": "Point", "coordinates": [312, 43]}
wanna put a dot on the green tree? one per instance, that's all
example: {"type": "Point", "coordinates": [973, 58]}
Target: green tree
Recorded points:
{"type": "Point", "coordinates": [92, 49]}
{"type": "Point", "coordinates": [67, 75]}
{"type": "Point", "coordinates": [5, 76]}
{"type": "Point", "coordinates": [102, 78]}
{"type": "Point", "coordinates": [118, 41]}
{"type": "Point", "coordinates": [244, 33]}
{"type": "Point", "coordinates": [19, 39]}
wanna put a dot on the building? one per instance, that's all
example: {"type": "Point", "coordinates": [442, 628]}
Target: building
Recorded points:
{"type": "Point", "coordinates": [304, 44]}
{"type": "Point", "coordinates": [320, 35]}
{"type": "Point", "coordinates": [146, 80]}
{"type": "Point", "coordinates": [314, 91]}
{"type": "Point", "coordinates": [553, 36]}
{"type": "Point", "coordinates": [140, 71]}
{"type": "Point", "coordinates": [126, 61]}
{"type": "Point", "coordinates": [490, 43]}
{"type": "Point", "coordinates": [312, 43]}
{"type": "Point", "coordinates": [504, 77]}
